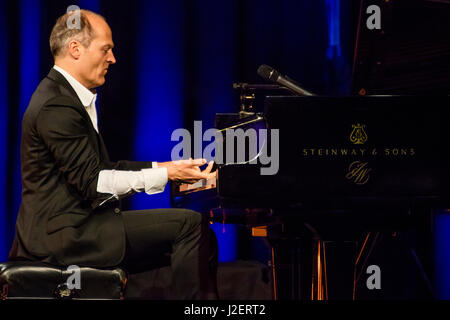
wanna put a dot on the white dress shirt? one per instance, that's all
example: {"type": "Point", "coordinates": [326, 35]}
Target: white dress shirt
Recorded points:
{"type": "Point", "coordinates": [117, 182]}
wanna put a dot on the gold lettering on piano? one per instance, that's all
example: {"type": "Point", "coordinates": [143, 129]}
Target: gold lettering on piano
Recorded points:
{"type": "Point", "coordinates": [395, 152]}
{"type": "Point", "coordinates": [399, 151]}
{"type": "Point", "coordinates": [325, 152]}
{"type": "Point", "coordinates": [358, 135]}
{"type": "Point", "coordinates": [358, 172]}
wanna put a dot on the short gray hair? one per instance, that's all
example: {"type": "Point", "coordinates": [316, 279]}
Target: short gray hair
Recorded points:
{"type": "Point", "coordinates": [61, 33]}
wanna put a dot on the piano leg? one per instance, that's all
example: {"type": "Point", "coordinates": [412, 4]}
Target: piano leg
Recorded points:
{"type": "Point", "coordinates": [298, 265]}
{"type": "Point", "coordinates": [319, 289]}
{"type": "Point", "coordinates": [285, 268]}
{"type": "Point", "coordinates": [364, 254]}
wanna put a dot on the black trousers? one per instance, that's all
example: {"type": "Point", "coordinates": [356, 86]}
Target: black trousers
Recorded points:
{"type": "Point", "coordinates": [177, 237]}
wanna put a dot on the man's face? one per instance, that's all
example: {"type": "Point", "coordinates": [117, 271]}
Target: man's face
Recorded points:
{"type": "Point", "coordinates": [95, 60]}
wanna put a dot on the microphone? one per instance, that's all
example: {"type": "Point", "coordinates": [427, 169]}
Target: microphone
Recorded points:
{"type": "Point", "coordinates": [273, 75]}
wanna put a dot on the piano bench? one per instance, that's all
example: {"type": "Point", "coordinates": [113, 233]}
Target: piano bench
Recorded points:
{"type": "Point", "coordinates": [37, 280]}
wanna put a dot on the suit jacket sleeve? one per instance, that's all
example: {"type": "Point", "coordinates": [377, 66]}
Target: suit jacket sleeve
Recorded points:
{"type": "Point", "coordinates": [130, 165]}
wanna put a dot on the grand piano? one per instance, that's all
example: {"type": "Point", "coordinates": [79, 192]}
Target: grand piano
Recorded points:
{"type": "Point", "coordinates": [334, 167]}
{"type": "Point", "coordinates": [353, 167]}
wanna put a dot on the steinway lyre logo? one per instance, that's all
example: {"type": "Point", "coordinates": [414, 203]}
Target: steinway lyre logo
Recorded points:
{"type": "Point", "coordinates": [358, 134]}
{"type": "Point", "coordinates": [358, 171]}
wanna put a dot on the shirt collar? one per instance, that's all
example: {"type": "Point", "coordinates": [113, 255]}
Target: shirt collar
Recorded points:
{"type": "Point", "coordinates": [84, 94]}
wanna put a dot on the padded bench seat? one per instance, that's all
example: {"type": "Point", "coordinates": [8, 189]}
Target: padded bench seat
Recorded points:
{"type": "Point", "coordinates": [37, 280]}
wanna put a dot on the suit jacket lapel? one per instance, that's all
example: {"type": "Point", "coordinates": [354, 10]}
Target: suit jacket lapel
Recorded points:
{"type": "Point", "coordinates": [60, 79]}
{"type": "Point", "coordinates": [96, 138]}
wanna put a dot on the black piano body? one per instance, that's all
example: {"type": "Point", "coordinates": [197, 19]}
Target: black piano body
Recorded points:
{"type": "Point", "coordinates": [345, 165]}
{"type": "Point", "coordinates": [399, 162]}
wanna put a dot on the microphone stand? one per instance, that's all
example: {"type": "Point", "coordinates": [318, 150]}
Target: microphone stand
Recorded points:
{"type": "Point", "coordinates": [247, 96]}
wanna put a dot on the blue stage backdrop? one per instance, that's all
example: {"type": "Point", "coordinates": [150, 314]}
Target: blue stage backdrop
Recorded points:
{"type": "Point", "coordinates": [214, 50]}
{"type": "Point", "coordinates": [442, 255]}
{"type": "Point", "coordinates": [3, 135]}
{"type": "Point", "coordinates": [160, 75]}
{"type": "Point", "coordinates": [30, 15]}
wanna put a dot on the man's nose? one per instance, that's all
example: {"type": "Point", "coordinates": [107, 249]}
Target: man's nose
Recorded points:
{"type": "Point", "coordinates": [111, 58]}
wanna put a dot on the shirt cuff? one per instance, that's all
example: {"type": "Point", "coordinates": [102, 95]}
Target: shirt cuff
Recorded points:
{"type": "Point", "coordinates": [118, 182]}
{"type": "Point", "coordinates": [154, 165]}
{"type": "Point", "coordinates": [155, 179]}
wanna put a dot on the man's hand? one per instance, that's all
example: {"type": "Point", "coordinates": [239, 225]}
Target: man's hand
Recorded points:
{"type": "Point", "coordinates": [187, 171]}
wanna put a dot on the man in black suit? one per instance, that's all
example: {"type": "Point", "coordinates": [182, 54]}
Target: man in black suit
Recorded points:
{"type": "Point", "coordinates": [70, 211]}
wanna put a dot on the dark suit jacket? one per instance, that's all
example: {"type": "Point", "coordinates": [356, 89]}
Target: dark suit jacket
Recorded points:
{"type": "Point", "coordinates": [60, 220]}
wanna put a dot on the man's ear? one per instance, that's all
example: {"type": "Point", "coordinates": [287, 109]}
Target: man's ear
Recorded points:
{"type": "Point", "coordinates": [73, 49]}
